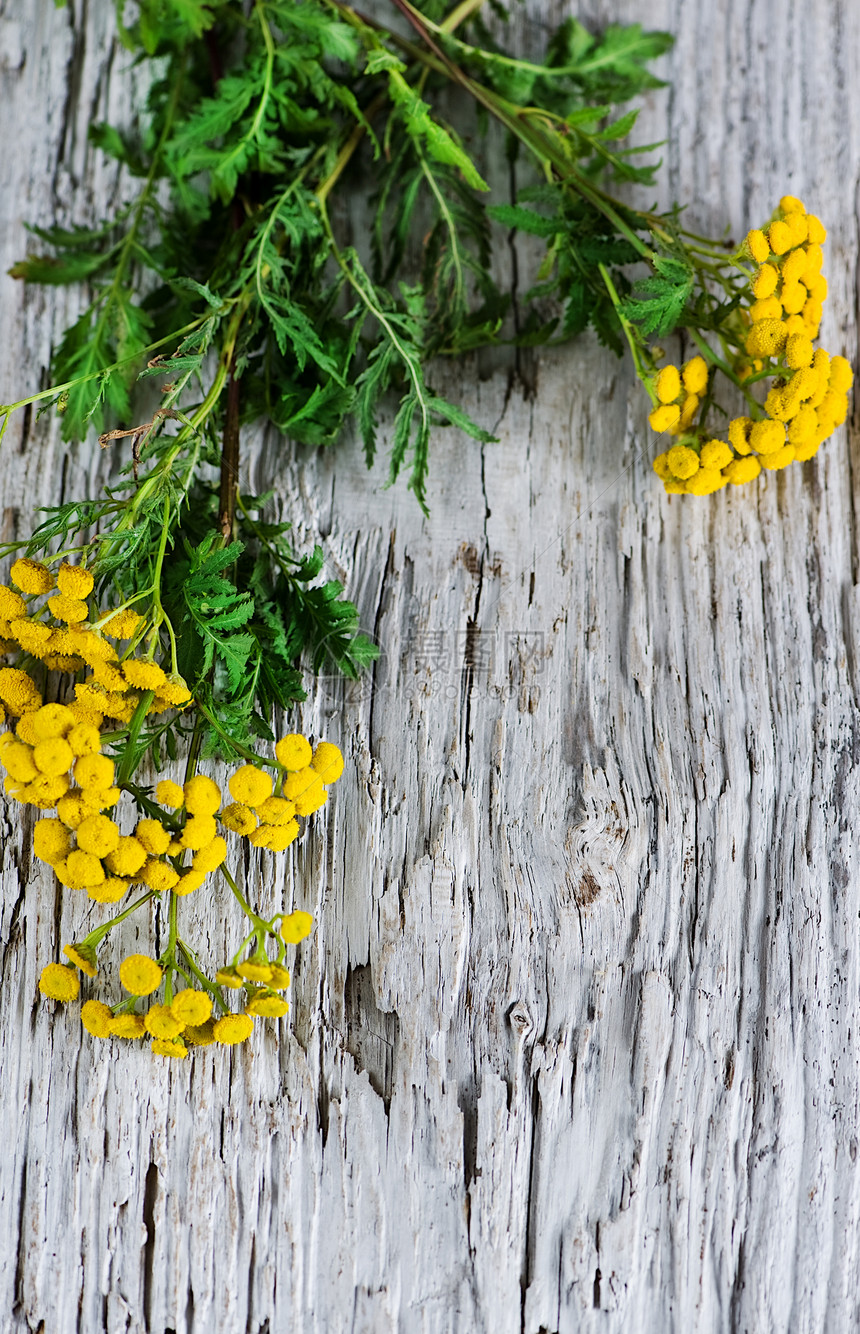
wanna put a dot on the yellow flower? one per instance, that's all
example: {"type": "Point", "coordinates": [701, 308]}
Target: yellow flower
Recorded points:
{"type": "Point", "coordinates": [668, 384]}
{"type": "Point", "coordinates": [778, 458]}
{"type": "Point", "coordinates": [683, 462]}
{"type": "Point", "coordinates": [716, 454]}
{"type": "Point", "coordinates": [74, 581]}
{"type": "Point", "coordinates": [803, 427]}
{"type": "Point", "coordinates": [296, 926]}
{"type": "Point", "coordinates": [797, 229]}
{"type": "Point", "coordinates": [191, 1007]}
{"type": "Point", "coordinates": [806, 450]}
{"type": "Point", "coordinates": [107, 675]}
{"type": "Point", "coordinates": [127, 1026]}
{"type": "Point", "coordinates": [689, 408]}
{"type": "Point", "coordinates": [793, 266]}
{"type": "Point", "coordinates": [769, 309]}
{"type": "Point", "coordinates": [233, 1028]}
{"type": "Point", "coordinates": [152, 835]}
{"type": "Point", "coordinates": [661, 467]}
{"type": "Point", "coordinates": [250, 785]}
{"type": "Point", "coordinates": [169, 794]}
{"type": "Point", "coordinates": [122, 624]}
{"type": "Point", "coordinates": [228, 977]}
{"type": "Point", "coordinates": [254, 971]}
{"type": "Point", "coordinates": [33, 637]}
{"type": "Point", "coordinates": [143, 675]}
{"type": "Point", "coordinates": [311, 800]}
{"type": "Point", "coordinates": [51, 841]}
{"type": "Point", "coordinates": [664, 418]}
{"type": "Point", "coordinates": [816, 234]}
{"type": "Point", "coordinates": [140, 975]}
{"type": "Point", "coordinates": [200, 1035]}
{"type": "Point", "coordinates": [293, 751]}
{"type": "Point", "coordinates": [53, 757]}
{"type": "Point", "coordinates": [202, 796]}
{"type": "Point", "coordinates": [101, 798]}
{"type": "Point", "coordinates": [280, 978]}
{"type": "Point", "coordinates": [841, 375]}
{"type": "Point", "coordinates": [791, 204]}
{"type": "Point", "coordinates": [31, 577]}
{"type": "Point", "coordinates": [96, 771]}
{"type": "Point", "coordinates": [72, 809]}
{"type": "Point", "coordinates": [167, 1047]}
{"type": "Point", "coordinates": [18, 761]}
{"type": "Point", "coordinates": [757, 245]}
{"type": "Point", "coordinates": [18, 692]}
{"type": "Point", "coordinates": [210, 857]}
{"type": "Point", "coordinates": [328, 760]}
{"type": "Point", "coordinates": [695, 375]}
{"type": "Point", "coordinates": [766, 338]}
{"type": "Point", "coordinates": [187, 883]}
{"type": "Point", "coordinates": [173, 692]}
{"type": "Point", "coordinates": [83, 869]}
{"type": "Point", "coordinates": [267, 1007]}
{"type": "Point", "coordinates": [128, 857]}
{"type": "Point", "coordinates": [743, 470]}
{"type": "Point", "coordinates": [59, 982]}
{"type": "Point", "coordinates": [275, 810]}
{"type": "Point", "coordinates": [88, 645]}
{"type": "Point", "coordinates": [83, 958]}
{"type": "Point", "coordinates": [86, 714]}
{"type": "Point", "coordinates": [12, 605]}
{"type": "Point", "coordinates": [705, 482]}
{"type": "Point", "coordinates": [793, 298]}
{"type": "Point", "coordinates": [66, 609]}
{"type": "Point", "coordinates": [767, 437]}
{"type": "Point", "coordinates": [779, 237]}
{"type": "Point", "coordinates": [198, 831]}
{"type": "Point", "coordinates": [799, 351]}
{"type": "Point", "coordinates": [161, 1022]}
{"type": "Point", "coordinates": [159, 876]}
{"type": "Point", "coordinates": [52, 721]}
{"type": "Point", "coordinates": [765, 281]}
{"type": "Point", "coordinates": [25, 731]}
{"type": "Point", "coordinates": [96, 1018]}
{"type": "Point", "coordinates": [239, 819]}
{"type": "Point", "coordinates": [109, 891]}
{"type": "Point", "coordinates": [275, 837]}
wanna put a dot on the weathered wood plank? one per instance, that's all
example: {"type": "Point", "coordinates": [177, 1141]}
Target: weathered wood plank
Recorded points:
{"type": "Point", "coordinates": [574, 1045]}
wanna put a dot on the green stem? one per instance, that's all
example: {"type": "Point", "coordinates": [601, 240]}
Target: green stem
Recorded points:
{"type": "Point", "coordinates": [127, 765]}
{"type": "Point", "coordinates": [191, 960]}
{"type": "Point", "coordinates": [96, 936]}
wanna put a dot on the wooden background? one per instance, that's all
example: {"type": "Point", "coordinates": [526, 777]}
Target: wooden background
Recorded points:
{"type": "Point", "coordinates": [575, 1043]}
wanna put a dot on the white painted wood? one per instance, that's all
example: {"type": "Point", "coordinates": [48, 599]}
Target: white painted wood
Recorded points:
{"type": "Point", "coordinates": [575, 1044]}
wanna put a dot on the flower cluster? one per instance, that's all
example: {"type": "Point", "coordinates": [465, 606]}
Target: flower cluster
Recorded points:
{"type": "Point", "coordinates": [770, 341]}
{"type": "Point", "coordinates": [63, 634]}
{"type": "Point", "coordinates": [88, 851]}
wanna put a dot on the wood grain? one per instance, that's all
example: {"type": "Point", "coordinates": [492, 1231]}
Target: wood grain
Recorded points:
{"type": "Point", "coordinates": [575, 1043]}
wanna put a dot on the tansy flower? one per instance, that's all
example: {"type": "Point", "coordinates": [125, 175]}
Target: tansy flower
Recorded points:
{"type": "Point", "coordinates": [94, 771]}
{"type": "Point", "coordinates": [274, 837]}
{"type": "Point", "coordinates": [298, 782]}
{"type": "Point", "coordinates": [280, 978]}
{"type": "Point", "coordinates": [12, 605]}
{"type": "Point", "coordinates": [169, 794]}
{"type": "Point", "coordinates": [296, 926]}
{"type": "Point", "coordinates": [233, 1028]}
{"type": "Point", "coordinates": [191, 1007]}
{"type": "Point", "coordinates": [128, 857]}
{"type": "Point", "coordinates": [33, 637]}
{"type": "Point", "coordinates": [198, 831]}
{"type": "Point", "coordinates": [51, 841]}
{"type": "Point", "coordinates": [83, 958]}
{"type": "Point", "coordinates": [83, 869]}
{"type": "Point", "coordinates": [152, 835]}
{"type": "Point", "coordinates": [59, 983]}
{"type": "Point", "coordinates": [767, 436]}
{"type": "Point", "coordinates": [716, 454]}
{"type": "Point", "coordinates": [311, 800]}
{"type": "Point", "coordinates": [167, 1047]}
{"type": "Point", "coordinates": [200, 1035]}
{"type": "Point", "coordinates": [188, 882]}
{"type": "Point", "coordinates": [107, 675]}
{"type": "Point", "coordinates": [799, 351]}
{"type": "Point", "coordinates": [267, 1007]}
{"type": "Point", "coordinates": [127, 1026]}
{"type": "Point", "coordinates": [109, 891]}
{"type": "Point", "coordinates": [254, 971]}
{"type": "Point", "coordinates": [328, 760]}
{"type": "Point", "coordinates": [158, 876]}
{"type": "Point", "coordinates": [161, 1022]}
{"type": "Point", "coordinates": [173, 692]}
{"type": "Point", "coordinates": [202, 796]}
{"type": "Point", "coordinates": [67, 609]}
{"type": "Point", "coordinates": [739, 433]}
{"type": "Point", "coordinates": [293, 751]}
{"type": "Point", "coordinates": [53, 757]}
{"type": "Point", "coordinates": [238, 818]}
{"type": "Point", "coordinates": [143, 675]}
{"type": "Point", "coordinates": [17, 760]}
{"type": "Point", "coordinates": [31, 577]}
{"type": "Point", "coordinates": [274, 810]}
{"type": "Point", "coordinates": [72, 810]}
{"type": "Point", "coordinates": [140, 975]}
{"type": "Point", "coordinates": [757, 245]}
{"type": "Point", "coordinates": [766, 338]}
{"type": "Point", "coordinates": [841, 375]}
{"type": "Point", "coordinates": [228, 977]}
{"type": "Point", "coordinates": [765, 282]}
{"type": "Point", "coordinates": [210, 857]}
{"type": "Point", "coordinates": [84, 739]}
{"type": "Point", "coordinates": [96, 1018]}
{"type": "Point", "coordinates": [51, 721]}
{"type": "Point", "coordinates": [122, 624]}
{"type": "Point", "coordinates": [26, 732]}
{"type": "Point", "coordinates": [250, 786]}
{"type": "Point", "coordinates": [779, 458]}
{"type": "Point", "coordinates": [74, 581]}
{"type": "Point", "coordinates": [740, 471]}
{"type": "Point", "coordinates": [779, 237]}
{"type": "Point", "coordinates": [683, 461]}
{"type": "Point", "coordinates": [664, 418]}
{"type": "Point", "coordinates": [18, 692]}
{"type": "Point", "coordinates": [695, 377]}
{"type": "Point", "coordinates": [668, 384]}
{"type": "Point", "coordinates": [705, 482]}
